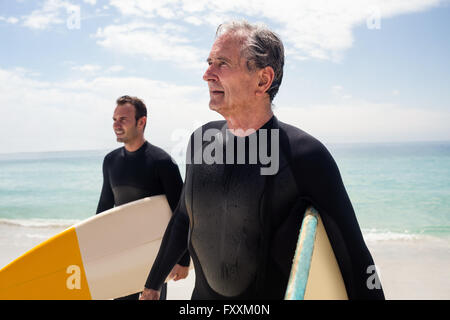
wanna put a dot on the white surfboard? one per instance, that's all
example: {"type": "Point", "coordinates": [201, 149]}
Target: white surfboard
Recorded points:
{"type": "Point", "coordinates": [315, 273]}
{"type": "Point", "coordinates": [106, 256]}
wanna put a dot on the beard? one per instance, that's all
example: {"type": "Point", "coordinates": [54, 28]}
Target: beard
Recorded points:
{"type": "Point", "coordinates": [128, 136]}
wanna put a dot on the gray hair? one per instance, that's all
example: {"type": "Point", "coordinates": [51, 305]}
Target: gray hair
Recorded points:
{"type": "Point", "coordinates": [261, 47]}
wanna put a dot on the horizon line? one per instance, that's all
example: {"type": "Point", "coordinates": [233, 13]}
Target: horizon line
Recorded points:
{"type": "Point", "coordinates": [325, 143]}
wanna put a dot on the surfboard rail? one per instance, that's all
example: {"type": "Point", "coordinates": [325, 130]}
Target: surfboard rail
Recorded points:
{"type": "Point", "coordinates": [315, 274]}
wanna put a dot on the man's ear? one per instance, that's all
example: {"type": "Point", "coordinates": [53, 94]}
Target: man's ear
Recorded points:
{"type": "Point", "coordinates": [265, 79]}
{"type": "Point", "coordinates": [142, 122]}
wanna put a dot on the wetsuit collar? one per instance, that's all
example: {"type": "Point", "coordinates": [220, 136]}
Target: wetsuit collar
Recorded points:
{"type": "Point", "coordinates": [272, 123]}
{"type": "Point", "coordinates": [138, 151]}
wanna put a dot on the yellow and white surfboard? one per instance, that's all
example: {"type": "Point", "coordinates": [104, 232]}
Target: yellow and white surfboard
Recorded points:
{"type": "Point", "coordinates": [106, 256]}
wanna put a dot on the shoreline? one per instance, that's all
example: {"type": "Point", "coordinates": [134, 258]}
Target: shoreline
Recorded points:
{"type": "Point", "coordinates": [410, 269]}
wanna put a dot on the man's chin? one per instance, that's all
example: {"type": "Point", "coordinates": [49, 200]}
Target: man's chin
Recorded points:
{"type": "Point", "coordinates": [220, 109]}
{"type": "Point", "coordinates": [214, 107]}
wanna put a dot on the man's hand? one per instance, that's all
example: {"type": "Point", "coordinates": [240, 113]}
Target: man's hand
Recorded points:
{"type": "Point", "coordinates": [178, 272]}
{"type": "Point", "coordinates": [149, 294]}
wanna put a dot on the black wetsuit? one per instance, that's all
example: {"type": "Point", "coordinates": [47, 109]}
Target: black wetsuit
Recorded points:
{"type": "Point", "coordinates": [130, 176]}
{"type": "Point", "coordinates": [241, 227]}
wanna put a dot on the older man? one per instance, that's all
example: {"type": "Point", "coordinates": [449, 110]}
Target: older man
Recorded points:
{"type": "Point", "coordinates": [239, 215]}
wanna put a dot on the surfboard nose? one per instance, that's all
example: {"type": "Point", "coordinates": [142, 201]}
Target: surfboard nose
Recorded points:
{"type": "Point", "coordinates": [51, 271]}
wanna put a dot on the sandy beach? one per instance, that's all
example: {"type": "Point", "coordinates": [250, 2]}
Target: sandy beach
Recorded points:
{"type": "Point", "coordinates": [410, 269]}
{"type": "Point", "coordinates": [413, 269]}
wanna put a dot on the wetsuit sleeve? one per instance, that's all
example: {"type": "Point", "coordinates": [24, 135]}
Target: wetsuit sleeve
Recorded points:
{"type": "Point", "coordinates": [319, 179]}
{"type": "Point", "coordinates": [173, 247]}
{"type": "Point", "coordinates": [170, 178]}
{"type": "Point", "coordinates": [106, 197]}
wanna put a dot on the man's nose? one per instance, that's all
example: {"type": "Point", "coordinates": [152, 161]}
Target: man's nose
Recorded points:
{"type": "Point", "coordinates": [209, 74]}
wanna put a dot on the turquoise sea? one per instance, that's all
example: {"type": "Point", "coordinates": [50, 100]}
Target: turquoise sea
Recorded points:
{"type": "Point", "coordinates": [399, 190]}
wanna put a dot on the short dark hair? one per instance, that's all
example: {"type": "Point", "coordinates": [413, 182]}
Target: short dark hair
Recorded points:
{"type": "Point", "coordinates": [261, 47]}
{"type": "Point", "coordinates": [139, 105]}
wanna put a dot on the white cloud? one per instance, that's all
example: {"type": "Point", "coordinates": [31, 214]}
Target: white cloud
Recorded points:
{"type": "Point", "coordinates": [76, 114]}
{"type": "Point", "coordinates": [364, 121]}
{"type": "Point", "coordinates": [318, 29]}
{"type": "Point", "coordinates": [160, 43]}
{"type": "Point", "coordinates": [193, 20]}
{"type": "Point", "coordinates": [336, 89]}
{"type": "Point", "coordinates": [115, 68]}
{"type": "Point", "coordinates": [51, 12]}
{"type": "Point", "coordinates": [148, 9]}
{"type": "Point", "coordinates": [339, 92]}
{"type": "Point", "coordinates": [94, 69]}
{"type": "Point", "coordinates": [87, 68]}
{"type": "Point", "coordinates": [11, 20]}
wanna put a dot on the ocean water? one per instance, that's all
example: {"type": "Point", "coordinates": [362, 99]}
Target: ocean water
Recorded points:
{"type": "Point", "coordinates": [39, 189]}
{"type": "Point", "coordinates": [400, 191]}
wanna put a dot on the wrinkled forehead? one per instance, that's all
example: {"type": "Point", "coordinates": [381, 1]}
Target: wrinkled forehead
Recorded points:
{"type": "Point", "coordinates": [230, 44]}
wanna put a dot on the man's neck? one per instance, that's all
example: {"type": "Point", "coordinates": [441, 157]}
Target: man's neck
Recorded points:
{"type": "Point", "coordinates": [134, 145]}
{"type": "Point", "coordinates": [245, 123]}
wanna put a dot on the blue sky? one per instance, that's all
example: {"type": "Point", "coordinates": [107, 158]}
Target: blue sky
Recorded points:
{"type": "Point", "coordinates": [356, 71]}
